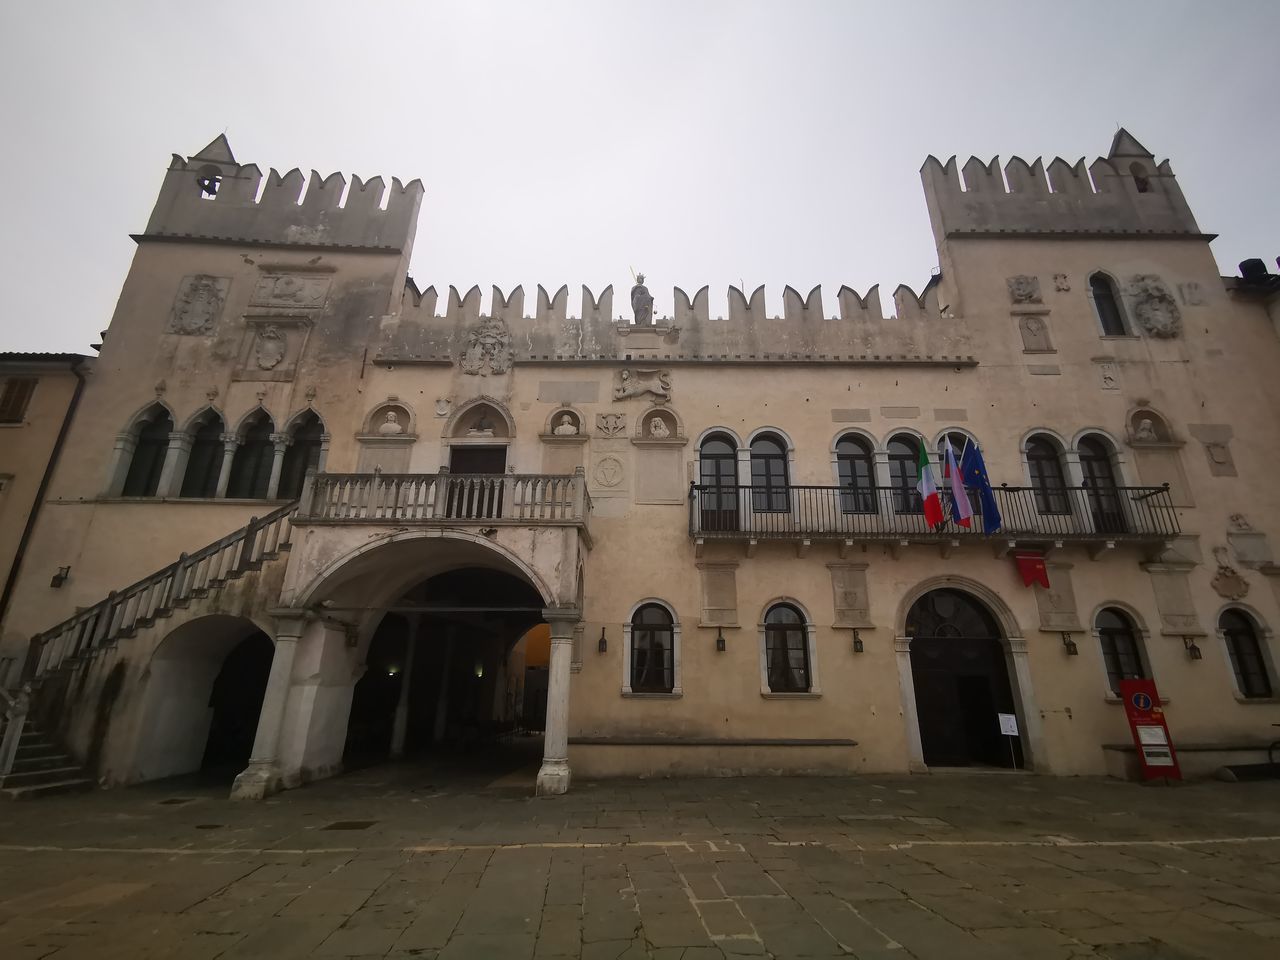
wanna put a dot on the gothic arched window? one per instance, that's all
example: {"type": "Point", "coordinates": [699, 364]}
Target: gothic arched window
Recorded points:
{"type": "Point", "coordinates": [1106, 301]}
{"type": "Point", "coordinates": [151, 446]}
{"type": "Point", "coordinates": [251, 465]}
{"type": "Point", "coordinates": [204, 462]}
{"type": "Point", "coordinates": [302, 454]}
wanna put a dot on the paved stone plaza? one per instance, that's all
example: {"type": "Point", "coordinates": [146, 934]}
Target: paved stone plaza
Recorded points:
{"type": "Point", "coordinates": [386, 862]}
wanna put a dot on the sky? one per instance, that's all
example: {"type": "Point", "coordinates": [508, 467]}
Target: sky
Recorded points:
{"type": "Point", "coordinates": [573, 142]}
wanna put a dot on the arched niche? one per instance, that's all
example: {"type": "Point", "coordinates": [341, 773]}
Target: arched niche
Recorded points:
{"type": "Point", "coordinates": [1147, 426]}
{"type": "Point", "coordinates": [565, 425]}
{"type": "Point", "coordinates": [660, 425]}
{"type": "Point", "coordinates": [387, 438]}
{"type": "Point", "coordinates": [1157, 454]}
{"type": "Point", "coordinates": [380, 422]}
{"type": "Point", "coordinates": [482, 420]}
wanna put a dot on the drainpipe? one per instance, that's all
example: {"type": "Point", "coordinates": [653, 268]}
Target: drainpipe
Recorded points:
{"type": "Point", "coordinates": [43, 489]}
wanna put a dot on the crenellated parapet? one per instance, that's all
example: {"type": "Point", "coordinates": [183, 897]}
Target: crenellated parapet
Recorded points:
{"type": "Point", "coordinates": [211, 196]}
{"type": "Point", "coordinates": [749, 331]}
{"type": "Point", "coordinates": [1125, 194]}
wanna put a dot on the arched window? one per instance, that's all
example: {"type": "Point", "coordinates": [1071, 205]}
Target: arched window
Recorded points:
{"type": "Point", "coordinates": [1048, 482]}
{"type": "Point", "coordinates": [251, 466]}
{"type": "Point", "coordinates": [1106, 301]}
{"type": "Point", "coordinates": [150, 449]}
{"type": "Point", "coordinates": [769, 482]}
{"type": "Point", "coordinates": [857, 477]}
{"type": "Point", "coordinates": [653, 649]}
{"type": "Point", "coordinates": [904, 471]}
{"type": "Point", "coordinates": [1120, 650]}
{"type": "Point", "coordinates": [204, 463]}
{"type": "Point", "coordinates": [1140, 178]}
{"type": "Point", "coordinates": [302, 454]}
{"type": "Point", "coordinates": [1246, 654]}
{"type": "Point", "coordinates": [1100, 485]}
{"type": "Point", "coordinates": [718, 476]}
{"type": "Point", "coordinates": [786, 650]}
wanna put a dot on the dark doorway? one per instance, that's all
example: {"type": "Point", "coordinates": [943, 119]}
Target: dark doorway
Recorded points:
{"type": "Point", "coordinates": [236, 701]}
{"type": "Point", "coordinates": [477, 459]}
{"type": "Point", "coordinates": [961, 682]}
{"type": "Point", "coordinates": [478, 488]}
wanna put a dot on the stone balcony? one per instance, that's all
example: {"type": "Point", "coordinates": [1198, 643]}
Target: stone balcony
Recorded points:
{"type": "Point", "coordinates": [1097, 518]}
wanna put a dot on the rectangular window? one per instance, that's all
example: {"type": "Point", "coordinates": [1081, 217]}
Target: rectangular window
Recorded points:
{"type": "Point", "coordinates": [15, 397]}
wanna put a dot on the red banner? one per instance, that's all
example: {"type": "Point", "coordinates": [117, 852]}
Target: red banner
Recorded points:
{"type": "Point", "coordinates": [1150, 732]}
{"type": "Point", "coordinates": [1032, 568]}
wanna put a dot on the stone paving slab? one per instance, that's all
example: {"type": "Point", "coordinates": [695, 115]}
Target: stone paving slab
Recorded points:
{"type": "Point", "coordinates": [888, 868]}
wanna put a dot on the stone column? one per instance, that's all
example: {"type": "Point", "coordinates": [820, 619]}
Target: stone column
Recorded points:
{"type": "Point", "coordinates": [1035, 754]}
{"type": "Point", "coordinates": [279, 442]}
{"type": "Point", "coordinates": [553, 778]}
{"type": "Point", "coordinates": [121, 458]}
{"type": "Point", "coordinates": [229, 443]}
{"type": "Point", "coordinates": [907, 685]}
{"type": "Point", "coordinates": [175, 463]}
{"type": "Point", "coordinates": [262, 776]}
{"type": "Point", "coordinates": [400, 728]}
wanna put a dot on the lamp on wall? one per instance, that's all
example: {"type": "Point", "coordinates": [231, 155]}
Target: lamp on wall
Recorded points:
{"type": "Point", "coordinates": [59, 578]}
{"type": "Point", "coordinates": [720, 639]}
{"type": "Point", "coordinates": [857, 641]}
{"type": "Point", "coordinates": [1193, 651]}
{"type": "Point", "coordinates": [602, 644]}
{"type": "Point", "coordinates": [1069, 645]}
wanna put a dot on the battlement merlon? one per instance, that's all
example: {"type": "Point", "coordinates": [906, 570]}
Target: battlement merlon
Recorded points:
{"type": "Point", "coordinates": [1125, 194]}
{"type": "Point", "coordinates": [211, 196]}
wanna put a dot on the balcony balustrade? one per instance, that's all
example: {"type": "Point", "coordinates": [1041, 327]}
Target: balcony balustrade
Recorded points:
{"type": "Point", "coordinates": [1030, 514]}
{"type": "Point", "coordinates": [446, 498]}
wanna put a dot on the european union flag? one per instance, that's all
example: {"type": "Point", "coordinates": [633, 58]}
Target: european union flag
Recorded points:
{"type": "Point", "coordinates": [974, 473]}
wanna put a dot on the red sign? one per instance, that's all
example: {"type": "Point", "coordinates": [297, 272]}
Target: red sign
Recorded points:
{"type": "Point", "coordinates": [1150, 732]}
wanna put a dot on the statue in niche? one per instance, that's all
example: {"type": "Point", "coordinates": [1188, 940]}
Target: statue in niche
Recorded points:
{"type": "Point", "coordinates": [1024, 288]}
{"type": "Point", "coordinates": [566, 427]}
{"type": "Point", "coordinates": [488, 348]}
{"type": "Point", "coordinates": [658, 428]}
{"type": "Point", "coordinates": [1146, 431]}
{"type": "Point", "coordinates": [1155, 308]}
{"type": "Point", "coordinates": [637, 383]}
{"type": "Point", "coordinates": [641, 302]}
{"type": "Point", "coordinates": [391, 425]}
{"type": "Point", "coordinates": [198, 305]}
{"type": "Point", "coordinates": [483, 427]}
{"type": "Point", "coordinates": [270, 348]}
{"type": "Point", "coordinates": [1239, 523]}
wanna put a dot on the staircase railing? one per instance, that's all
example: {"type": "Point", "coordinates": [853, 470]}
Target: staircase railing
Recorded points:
{"type": "Point", "coordinates": [141, 604]}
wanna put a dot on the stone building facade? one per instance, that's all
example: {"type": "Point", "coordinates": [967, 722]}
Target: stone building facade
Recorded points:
{"type": "Point", "coordinates": [301, 476]}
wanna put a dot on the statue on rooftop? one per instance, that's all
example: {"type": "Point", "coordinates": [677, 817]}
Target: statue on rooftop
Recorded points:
{"type": "Point", "coordinates": [641, 302]}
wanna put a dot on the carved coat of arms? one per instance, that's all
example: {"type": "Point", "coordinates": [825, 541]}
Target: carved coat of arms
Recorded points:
{"type": "Point", "coordinates": [1024, 288]}
{"type": "Point", "coordinates": [611, 424]}
{"type": "Point", "coordinates": [1155, 308]}
{"type": "Point", "coordinates": [488, 348]}
{"type": "Point", "coordinates": [270, 349]}
{"type": "Point", "coordinates": [198, 304]}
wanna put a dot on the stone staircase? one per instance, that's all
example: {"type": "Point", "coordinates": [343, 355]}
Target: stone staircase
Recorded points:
{"type": "Point", "coordinates": [31, 764]}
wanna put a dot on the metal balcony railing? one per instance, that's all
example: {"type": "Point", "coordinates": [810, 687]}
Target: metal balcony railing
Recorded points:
{"type": "Point", "coordinates": [894, 513]}
{"type": "Point", "coordinates": [453, 498]}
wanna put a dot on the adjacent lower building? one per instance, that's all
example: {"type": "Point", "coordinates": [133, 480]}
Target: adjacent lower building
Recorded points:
{"type": "Point", "coordinates": [311, 514]}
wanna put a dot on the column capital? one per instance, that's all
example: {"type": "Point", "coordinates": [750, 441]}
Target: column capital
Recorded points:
{"type": "Point", "coordinates": [562, 620]}
{"type": "Point", "coordinates": [290, 622]}
{"type": "Point", "coordinates": [232, 439]}
{"type": "Point", "coordinates": [180, 441]}
{"type": "Point", "coordinates": [280, 439]}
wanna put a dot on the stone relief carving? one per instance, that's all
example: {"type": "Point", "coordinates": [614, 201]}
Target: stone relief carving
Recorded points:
{"type": "Point", "coordinates": [1221, 463]}
{"type": "Point", "coordinates": [199, 304]}
{"type": "Point", "coordinates": [269, 351]}
{"type": "Point", "coordinates": [1155, 308]}
{"type": "Point", "coordinates": [1192, 293]}
{"type": "Point", "coordinates": [443, 405]}
{"type": "Point", "coordinates": [641, 302]}
{"type": "Point", "coordinates": [567, 427]}
{"type": "Point", "coordinates": [611, 424]}
{"type": "Point", "coordinates": [1239, 523]}
{"type": "Point", "coordinates": [488, 348]}
{"type": "Point", "coordinates": [658, 429]}
{"type": "Point", "coordinates": [638, 383]}
{"type": "Point", "coordinates": [1035, 335]}
{"type": "Point", "coordinates": [290, 291]}
{"type": "Point", "coordinates": [608, 472]}
{"type": "Point", "coordinates": [1108, 375]}
{"type": "Point", "coordinates": [1061, 283]}
{"type": "Point", "coordinates": [1227, 582]}
{"type": "Point", "coordinates": [1146, 431]}
{"type": "Point", "coordinates": [1024, 288]}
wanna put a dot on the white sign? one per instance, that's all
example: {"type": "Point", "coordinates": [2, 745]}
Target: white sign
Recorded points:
{"type": "Point", "coordinates": [1008, 724]}
{"type": "Point", "coordinates": [1151, 734]}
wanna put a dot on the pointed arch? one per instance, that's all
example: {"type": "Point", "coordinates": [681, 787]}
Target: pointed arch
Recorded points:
{"type": "Point", "coordinates": [204, 432]}
{"type": "Point", "coordinates": [1108, 306]}
{"type": "Point", "coordinates": [306, 441]}
{"type": "Point", "coordinates": [201, 416]}
{"type": "Point", "coordinates": [255, 451]}
{"type": "Point", "coordinates": [147, 439]}
{"type": "Point", "coordinates": [463, 412]}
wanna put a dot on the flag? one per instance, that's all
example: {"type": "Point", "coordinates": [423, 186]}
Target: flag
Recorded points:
{"type": "Point", "coordinates": [974, 472]}
{"type": "Point", "coordinates": [928, 492]}
{"type": "Point", "coordinates": [1032, 568]}
{"type": "Point", "coordinates": [961, 509]}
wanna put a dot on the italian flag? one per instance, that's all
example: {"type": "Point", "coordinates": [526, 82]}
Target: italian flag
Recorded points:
{"type": "Point", "coordinates": [928, 492]}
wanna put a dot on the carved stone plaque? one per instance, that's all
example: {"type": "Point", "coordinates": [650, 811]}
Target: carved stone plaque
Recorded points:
{"type": "Point", "coordinates": [1035, 335]}
{"type": "Point", "coordinates": [271, 348]}
{"type": "Point", "coordinates": [1024, 288]}
{"type": "Point", "coordinates": [302, 293]}
{"type": "Point", "coordinates": [199, 304]}
{"type": "Point", "coordinates": [849, 591]}
{"type": "Point", "coordinates": [611, 424]}
{"type": "Point", "coordinates": [1155, 308]}
{"type": "Point", "coordinates": [1173, 599]}
{"type": "Point", "coordinates": [1057, 604]}
{"type": "Point", "coordinates": [719, 594]}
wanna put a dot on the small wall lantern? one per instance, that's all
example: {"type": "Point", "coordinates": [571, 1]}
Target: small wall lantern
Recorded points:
{"type": "Point", "coordinates": [602, 645]}
{"type": "Point", "coordinates": [1193, 651]}
{"type": "Point", "coordinates": [857, 641]}
{"type": "Point", "coordinates": [719, 639]}
{"type": "Point", "coordinates": [1069, 645]}
{"type": "Point", "coordinates": [59, 578]}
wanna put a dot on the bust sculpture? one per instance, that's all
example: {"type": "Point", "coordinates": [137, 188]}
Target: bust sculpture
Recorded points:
{"type": "Point", "coordinates": [391, 425]}
{"type": "Point", "coordinates": [658, 428]}
{"type": "Point", "coordinates": [566, 427]}
{"type": "Point", "coordinates": [481, 428]}
{"type": "Point", "coordinates": [641, 302]}
{"type": "Point", "coordinates": [1146, 431]}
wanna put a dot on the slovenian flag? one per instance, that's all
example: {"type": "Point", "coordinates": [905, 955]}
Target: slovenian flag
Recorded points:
{"type": "Point", "coordinates": [929, 492]}
{"type": "Point", "coordinates": [961, 510]}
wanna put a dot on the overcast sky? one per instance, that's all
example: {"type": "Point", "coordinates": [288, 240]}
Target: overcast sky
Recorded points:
{"type": "Point", "coordinates": [700, 142]}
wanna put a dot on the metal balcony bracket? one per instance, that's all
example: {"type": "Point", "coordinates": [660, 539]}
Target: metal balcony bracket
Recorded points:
{"type": "Point", "coordinates": [946, 547]}
{"type": "Point", "coordinates": [699, 546]}
{"type": "Point", "coordinates": [802, 548]}
{"type": "Point", "coordinates": [752, 543]}
{"type": "Point", "coordinates": [1096, 550]}
{"type": "Point", "coordinates": [1003, 548]}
